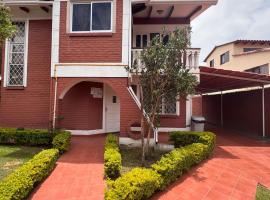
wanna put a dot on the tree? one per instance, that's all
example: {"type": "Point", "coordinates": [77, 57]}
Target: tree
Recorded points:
{"type": "Point", "coordinates": [7, 29]}
{"type": "Point", "coordinates": [163, 78]}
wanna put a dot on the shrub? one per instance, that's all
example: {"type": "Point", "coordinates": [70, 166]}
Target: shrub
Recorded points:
{"type": "Point", "coordinates": [30, 137]}
{"type": "Point", "coordinates": [62, 141]}
{"type": "Point", "coordinates": [139, 183]}
{"type": "Point", "coordinates": [112, 157]}
{"type": "Point", "coordinates": [19, 183]}
{"type": "Point", "coordinates": [194, 147]}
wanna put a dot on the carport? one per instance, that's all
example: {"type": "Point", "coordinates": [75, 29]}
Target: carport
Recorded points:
{"type": "Point", "coordinates": [220, 81]}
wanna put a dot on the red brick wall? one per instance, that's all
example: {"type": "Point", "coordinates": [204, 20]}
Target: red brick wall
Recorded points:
{"type": "Point", "coordinates": [29, 107]}
{"type": "Point", "coordinates": [81, 111]}
{"type": "Point", "coordinates": [197, 106]}
{"type": "Point", "coordinates": [95, 48]}
{"type": "Point", "coordinates": [241, 111]}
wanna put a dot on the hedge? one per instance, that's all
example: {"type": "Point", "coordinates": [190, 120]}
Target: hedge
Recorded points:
{"type": "Point", "coordinates": [29, 137]}
{"type": "Point", "coordinates": [174, 164]}
{"type": "Point", "coordinates": [62, 141]}
{"type": "Point", "coordinates": [19, 183]}
{"type": "Point", "coordinates": [112, 157]}
{"type": "Point", "coordinates": [139, 183]}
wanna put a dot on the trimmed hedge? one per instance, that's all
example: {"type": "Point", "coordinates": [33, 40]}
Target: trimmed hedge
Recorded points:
{"type": "Point", "coordinates": [19, 183]}
{"type": "Point", "coordinates": [29, 137]}
{"type": "Point", "coordinates": [172, 165]}
{"type": "Point", "coordinates": [139, 183]}
{"type": "Point", "coordinates": [62, 141]}
{"type": "Point", "coordinates": [112, 157]}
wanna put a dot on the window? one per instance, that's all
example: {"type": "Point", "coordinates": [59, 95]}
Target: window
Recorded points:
{"type": "Point", "coordinates": [144, 40]}
{"type": "Point", "coordinates": [212, 63]}
{"type": "Point", "coordinates": [263, 69]}
{"type": "Point", "coordinates": [169, 108]}
{"type": "Point", "coordinates": [92, 17]}
{"type": "Point", "coordinates": [165, 39]}
{"type": "Point", "coordinates": [16, 57]}
{"type": "Point", "coordinates": [154, 35]}
{"type": "Point", "coordinates": [251, 49]}
{"type": "Point", "coordinates": [225, 57]}
{"type": "Point", "coordinates": [138, 41]}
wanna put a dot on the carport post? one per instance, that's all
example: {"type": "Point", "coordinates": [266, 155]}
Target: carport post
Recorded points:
{"type": "Point", "coordinates": [263, 112]}
{"type": "Point", "coordinates": [221, 108]}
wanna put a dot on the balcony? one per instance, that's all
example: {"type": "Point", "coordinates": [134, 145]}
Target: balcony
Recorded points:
{"type": "Point", "coordinates": [192, 57]}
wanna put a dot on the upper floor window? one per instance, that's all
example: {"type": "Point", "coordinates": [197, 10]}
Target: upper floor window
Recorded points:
{"type": "Point", "coordinates": [251, 49]}
{"type": "Point", "coordinates": [212, 63]}
{"type": "Point", "coordinates": [92, 17]}
{"type": "Point", "coordinates": [16, 50]}
{"type": "Point", "coordinates": [225, 57]}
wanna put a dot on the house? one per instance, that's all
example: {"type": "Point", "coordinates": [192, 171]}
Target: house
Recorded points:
{"type": "Point", "coordinates": [241, 55]}
{"type": "Point", "coordinates": [65, 67]}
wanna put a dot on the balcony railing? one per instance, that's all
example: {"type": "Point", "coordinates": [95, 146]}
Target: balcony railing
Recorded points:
{"type": "Point", "coordinates": [192, 57]}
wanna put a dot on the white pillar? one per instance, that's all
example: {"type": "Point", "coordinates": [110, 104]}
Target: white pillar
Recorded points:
{"type": "Point", "coordinates": [263, 112]}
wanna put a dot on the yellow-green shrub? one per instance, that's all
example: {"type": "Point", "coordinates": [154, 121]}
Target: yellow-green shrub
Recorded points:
{"type": "Point", "coordinates": [112, 157]}
{"type": "Point", "coordinates": [139, 183]}
{"type": "Point", "coordinates": [19, 183]}
{"type": "Point", "coordinates": [62, 141]}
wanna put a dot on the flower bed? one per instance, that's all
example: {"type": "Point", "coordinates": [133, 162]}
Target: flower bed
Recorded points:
{"type": "Point", "coordinates": [141, 183]}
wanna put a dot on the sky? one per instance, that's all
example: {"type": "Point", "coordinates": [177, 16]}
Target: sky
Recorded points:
{"type": "Point", "coordinates": [231, 20]}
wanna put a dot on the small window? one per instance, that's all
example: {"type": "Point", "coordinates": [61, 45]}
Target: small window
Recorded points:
{"type": "Point", "coordinates": [138, 41]}
{"type": "Point", "coordinates": [154, 35]}
{"type": "Point", "coordinates": [114, 99]}
{"type": "Point", "coordinates": [144, 40]}
{"type": "Point", "coordinates": [165, 39]}
{"type": "Point", "coordinates": [168, 107]}
{"type": "Point", "coordinates": [92, 17]}
{"type": "Point", "coordinates": [212, 63]}
{"type": "Point", "coordinates": [251, 49]}
{"type": "Point", "coordinates": [225, 57]}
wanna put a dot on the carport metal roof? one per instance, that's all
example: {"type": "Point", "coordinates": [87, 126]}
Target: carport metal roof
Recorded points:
{"type": "Point", "coordinates": [216, 80]}
{"type": "Point", "coordinates": [219, 80]}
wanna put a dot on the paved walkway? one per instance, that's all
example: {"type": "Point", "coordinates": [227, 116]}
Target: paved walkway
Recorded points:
{"type": "Point", "coordinates": [78, 174]}
{"type": "Point", "coordinates": [236, 167]}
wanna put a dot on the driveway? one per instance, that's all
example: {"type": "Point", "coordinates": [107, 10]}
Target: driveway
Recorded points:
{"type": "Point", "coordinates": [237, 165]}
{"type": "Point", "coordinates": [78, 174]}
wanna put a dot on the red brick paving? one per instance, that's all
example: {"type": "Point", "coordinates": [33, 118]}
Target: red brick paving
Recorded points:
{"type": "Point", "coordinates": [233, 172]}
{"type": "Point", "coordinates": [78, 174]}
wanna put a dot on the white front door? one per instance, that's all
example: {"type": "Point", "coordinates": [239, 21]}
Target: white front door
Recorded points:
{"type": "Point", "coordinates": [112, 110]}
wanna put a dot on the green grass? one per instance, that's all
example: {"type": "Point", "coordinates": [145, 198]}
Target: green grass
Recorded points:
{"type": "Point", "coordinates": [131, 157]}
{"type": "Point", "coordinates": [12, 157]}
{"type": "Point", "coordinates": [262, 193]}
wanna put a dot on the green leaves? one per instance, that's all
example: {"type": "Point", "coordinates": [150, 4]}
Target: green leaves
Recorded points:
{"type": "Point", "coordinates": [7, 29]}
{"type": "Point", "coordinates": [112, 157]}
{"type": "Point", "coordinates": [62, 141]}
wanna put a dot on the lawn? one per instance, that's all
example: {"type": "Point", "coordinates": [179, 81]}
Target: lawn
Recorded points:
{"type": "Point", "coordinates": [131, 157]}
{"type": "Point", "coordinates": [12, 157]}
{"type": "Point", "coordinates": [262, 193]}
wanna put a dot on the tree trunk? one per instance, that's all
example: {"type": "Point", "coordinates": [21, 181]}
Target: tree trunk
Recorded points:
{"type": "Point", "coordinates": [142, 140]}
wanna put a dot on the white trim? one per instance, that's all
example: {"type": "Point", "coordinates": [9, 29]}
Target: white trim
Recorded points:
{"type": "Point", "coordinates": [86, 132]}
{"type": "Point", "coordinates": [126, 33]}
{"type": "Point", "coordinates": [104, 108]}
{"type": "Point", "coordinates": [189, 102]}
{"type": "Point", "coordinates": [163, 129]}
{"type": "Point", "coordinates": [6, 63]}
{"type": "Point", "coordinates": [55, 35]}
{"type": "Point", "coordinates": [91, 71]}
{"type": "Point", "coordinates": [91, 17]}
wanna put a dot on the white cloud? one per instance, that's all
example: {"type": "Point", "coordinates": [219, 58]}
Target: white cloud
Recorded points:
{"type": "Point", "coordinates": [230, 20]}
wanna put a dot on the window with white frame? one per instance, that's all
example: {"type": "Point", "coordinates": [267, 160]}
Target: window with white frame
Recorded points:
{"type": "Point", "coordinates": [16, 57]}
{"type": "Point", "coordinates": [169, 107]}
{"type": "Point", "coordinates": [95, 16]}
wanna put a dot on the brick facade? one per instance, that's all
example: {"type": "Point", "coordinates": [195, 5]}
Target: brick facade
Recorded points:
{"type": "Point", "coordinates": [90, 48]}
{"type": "Point", "coordinates": [197, 106]}
{"type": "Point", "coordinates": [29, 107]}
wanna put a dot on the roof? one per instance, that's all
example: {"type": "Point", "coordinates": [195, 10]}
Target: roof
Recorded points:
{"type": "Point", "coordinates": [216, 80]}
{"type": "Point", "coordinates": [262, 42]}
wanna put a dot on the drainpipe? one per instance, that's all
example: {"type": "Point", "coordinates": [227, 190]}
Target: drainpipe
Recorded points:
{"type": "Point", "coordinates": [263, 113]}
{"type": "Point", "coordinates": [55, 98]}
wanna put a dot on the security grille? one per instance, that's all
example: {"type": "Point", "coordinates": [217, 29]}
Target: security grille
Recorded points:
{"type": "Point", "coordinates": [16, 61]}
{"type": "Point", "coordinates": [168, 107]}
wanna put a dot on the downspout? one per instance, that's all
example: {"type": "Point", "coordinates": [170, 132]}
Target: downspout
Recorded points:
{"type": "Point", "coordinates": [55, 98]}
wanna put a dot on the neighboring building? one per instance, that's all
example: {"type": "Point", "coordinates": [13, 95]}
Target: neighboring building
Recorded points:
{"type": "Point", "coordinates": [65, 67]}
{"type": "Point", "coordinates": [241, 55]}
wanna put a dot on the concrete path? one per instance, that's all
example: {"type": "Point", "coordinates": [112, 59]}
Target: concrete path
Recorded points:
{"type": "Point", "coordinates": [233, 172]}
{"type": "Point", "coordinates": [78, 174]}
